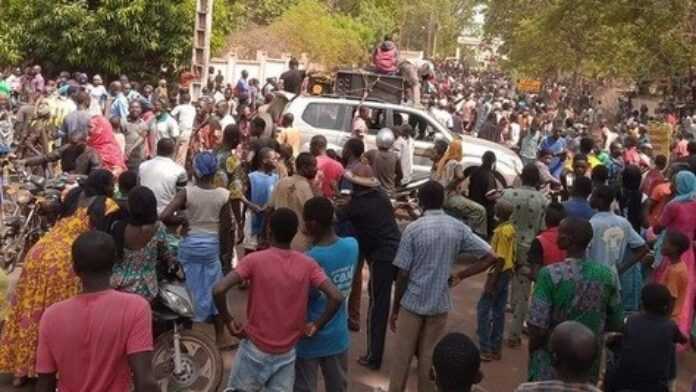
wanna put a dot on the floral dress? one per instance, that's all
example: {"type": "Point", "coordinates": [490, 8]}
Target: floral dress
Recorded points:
{"type": "Point", "coordinates": [137, 271]}
{"type": "Point", "coordinates": [577, 290]}
{"type": "Point", "coordinates": [47, 278]}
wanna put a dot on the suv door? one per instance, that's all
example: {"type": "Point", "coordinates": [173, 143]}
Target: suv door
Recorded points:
{"type": "Point", "coordinates": [325, 118]}
{"type": "Point", "coordinates": [424, 134]}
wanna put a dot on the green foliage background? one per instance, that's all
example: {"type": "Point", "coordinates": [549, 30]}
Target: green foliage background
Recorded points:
{"type": "Point", "coordinates": [137, 37]}
{"type": "Point", "coordinates": [630, 39]}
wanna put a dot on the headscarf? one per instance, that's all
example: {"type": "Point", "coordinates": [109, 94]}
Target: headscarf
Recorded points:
{"type": "Point", "coordinates": [101, 139]}
{"type": "Point", "coordinates": [205, 164]}
{"type": "Point", "coordinates": [454, 152]}
{"type": "Point", "coordinates": [685, 182]}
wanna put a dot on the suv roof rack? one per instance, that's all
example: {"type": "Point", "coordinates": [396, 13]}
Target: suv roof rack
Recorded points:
{"type": "Point", "coordinates": [369, 99]}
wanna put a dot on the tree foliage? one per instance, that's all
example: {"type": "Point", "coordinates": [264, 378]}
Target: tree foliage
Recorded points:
{"type": "Point", "coordinates": [635, 39]}
{"type": "Point", "coordinates": [110, 36]}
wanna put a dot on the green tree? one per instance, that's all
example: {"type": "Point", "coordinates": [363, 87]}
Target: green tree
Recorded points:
{"type": "Point", "coordinates": [110, 36]}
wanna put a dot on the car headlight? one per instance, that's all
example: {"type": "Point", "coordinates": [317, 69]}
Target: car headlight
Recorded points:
{"type": "Point", "coordinates": [177, 303]}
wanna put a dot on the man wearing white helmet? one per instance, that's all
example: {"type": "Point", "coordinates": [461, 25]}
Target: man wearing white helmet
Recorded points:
{"type": "Point", "coordinates": [385, 163]}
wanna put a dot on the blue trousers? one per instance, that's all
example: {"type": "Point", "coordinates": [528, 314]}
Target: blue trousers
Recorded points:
{"type": "Point", "coordinates": [491, 315]}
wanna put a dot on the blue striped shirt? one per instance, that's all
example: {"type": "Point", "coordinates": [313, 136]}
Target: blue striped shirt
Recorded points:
{"type": "Point", "coordinates": [428, 249]}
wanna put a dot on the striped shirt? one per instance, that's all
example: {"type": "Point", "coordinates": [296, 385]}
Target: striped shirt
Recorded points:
{"type": "Point", "coordinates": [556, 386]}
{"type": "Point", "coordinates": [429, 246]}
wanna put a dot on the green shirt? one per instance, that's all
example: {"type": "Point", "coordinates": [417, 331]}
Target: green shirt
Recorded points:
{"type": "Point", "coordinates": [577, 290]}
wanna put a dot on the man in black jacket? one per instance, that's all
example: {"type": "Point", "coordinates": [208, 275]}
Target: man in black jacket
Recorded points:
{"type": "Point", "coordinates": [371, 214]}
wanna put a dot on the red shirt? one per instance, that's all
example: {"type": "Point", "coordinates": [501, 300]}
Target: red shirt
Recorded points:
{"type": "Point", "coordinates": [329, 172]}
{"type": "Point", "coordinates": [278, 296]}
{"type": "Point", "coordinates": [87, 340]}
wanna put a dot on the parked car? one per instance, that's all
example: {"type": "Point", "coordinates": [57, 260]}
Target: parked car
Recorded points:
{"type": "Point", "coordinates": [333, 117]}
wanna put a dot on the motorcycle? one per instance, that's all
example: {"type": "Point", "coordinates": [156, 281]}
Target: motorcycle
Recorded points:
{"type": "Point", "coordinates": [30, 207]}
{"type": "Point", "coordinates": [184, 359]}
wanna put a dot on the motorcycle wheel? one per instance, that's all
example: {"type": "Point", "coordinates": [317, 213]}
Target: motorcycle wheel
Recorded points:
{"type": "Point", "coordinates": [201, 361]}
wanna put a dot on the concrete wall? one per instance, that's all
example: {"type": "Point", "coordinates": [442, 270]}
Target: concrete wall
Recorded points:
{"type": "Point", "coordinates": [261, 68]}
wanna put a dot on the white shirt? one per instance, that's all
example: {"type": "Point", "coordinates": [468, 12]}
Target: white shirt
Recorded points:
{"type": "Point", "coordinates": [165, 127]}
{"type": "Point", "coordinates": [161, 175]}
{"type": "Point", "coordinates": [227, 120]}
{"type": "Point", "coordinates": [442, 116]}
{"type": "Point", "coordinates": [405, 148]}
{"type": "Point", "coordinates": [185, 115]}
{"type": "Point", "coordinates": [514, 133]}
{"type": "Point", "coordinates": [97, 97]}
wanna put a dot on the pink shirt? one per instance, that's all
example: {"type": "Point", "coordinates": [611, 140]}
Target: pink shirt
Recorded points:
{"type": "Point", "coordinates": [87, 340]}
{"type": "Point", "coordinates": [278, 296]}
{"type": "Point", "coordinates": [329, 172]}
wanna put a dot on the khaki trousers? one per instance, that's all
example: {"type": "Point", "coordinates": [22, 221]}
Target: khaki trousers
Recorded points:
{"type": "Point", "coordinates": [415, 334]}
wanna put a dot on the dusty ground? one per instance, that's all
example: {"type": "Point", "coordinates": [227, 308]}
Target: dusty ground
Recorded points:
{"type": "Point", "coordinates": [501, 376]}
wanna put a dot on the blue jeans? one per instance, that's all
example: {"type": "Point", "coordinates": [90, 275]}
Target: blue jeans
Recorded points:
{"type": "Point", "coordinates": [255, 370]}
{"type": "Point", "coordinates": [491, 315]}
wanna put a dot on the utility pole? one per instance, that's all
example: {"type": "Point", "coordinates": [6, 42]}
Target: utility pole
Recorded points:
{"type": "Point", "coordinates": [202, 32]}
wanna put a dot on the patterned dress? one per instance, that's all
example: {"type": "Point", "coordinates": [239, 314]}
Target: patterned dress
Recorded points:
{"type": "Point", "coordinates": [577, 290]}
{"type": "Point", "coordinates": [47, 278]}
{"type": "Point", "coordinates": [137, 272]}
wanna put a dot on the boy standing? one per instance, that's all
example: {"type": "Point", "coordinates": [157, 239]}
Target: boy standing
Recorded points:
{"type": "Point", "coordinates": [327, 349]}
{"type": "Point", "coordinates": [676, 277]}
{"type": "Point", "coordinates": [647, 359]}
{"type": "Point", "coordinates": [98, 339]}
{"type": "Point", "coordinates": [278, 276]}
{"type": "Point", "coordinates": [545, 250]}
{"type": "Point", "coordinates": [491, 306]}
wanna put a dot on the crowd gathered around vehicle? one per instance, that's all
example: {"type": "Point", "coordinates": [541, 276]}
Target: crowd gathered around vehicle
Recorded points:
{"type": "Point", "coordinates": [590, 248]}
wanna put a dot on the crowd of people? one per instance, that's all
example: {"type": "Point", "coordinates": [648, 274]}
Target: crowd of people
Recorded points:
{"type": "Point", "coordinates": [595, 238]}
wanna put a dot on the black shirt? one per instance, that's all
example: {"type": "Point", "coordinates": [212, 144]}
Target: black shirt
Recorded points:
{"type": "Point", "coordinates": [256, 145]}
{"type": "Point", "coordinates": [292, 80]}
{"type": "Point", "coordinates": [647, 361]}
{"type": "Point", "coordinates": [371, 214]}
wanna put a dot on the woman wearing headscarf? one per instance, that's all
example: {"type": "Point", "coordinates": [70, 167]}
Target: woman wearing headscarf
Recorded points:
{"type": "Point", "coordinates": [680, 215]}
{"type": "Point", "coordinates": [447, 167]}
{"type": "Point", "coordinates": [206, 206]}
{"type": "Point", "coordinates": [142, 245]}
{"type": "Point", "coordinates": [47, 276]}
{"type": "Point", "coordinates": [631, 203]}
{"type": "Point", "coordinates": [101, 139]}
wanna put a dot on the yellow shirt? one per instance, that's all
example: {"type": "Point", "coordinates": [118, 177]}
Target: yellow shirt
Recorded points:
{"type": "Point", "coordinates": [4, 285]}
{"type": "Point", "coordinates": [291, 137]}
{"type": "Point", "coordinates": [504, 244]}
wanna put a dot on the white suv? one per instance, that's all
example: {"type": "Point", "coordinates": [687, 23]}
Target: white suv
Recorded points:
{"type": "Point", "coordinates": [332, 117]}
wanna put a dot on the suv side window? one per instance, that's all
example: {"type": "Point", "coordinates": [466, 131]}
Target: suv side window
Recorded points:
{"type": "Point", "coordinates": [422, 129]}
{"type": "Point", "coordinates": [325, 115]}
{"type": "Point", "coordinates": [377, 121]}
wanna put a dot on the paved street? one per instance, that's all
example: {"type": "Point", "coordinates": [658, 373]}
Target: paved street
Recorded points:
{"type": "Point", "coordinates": [501, 376]}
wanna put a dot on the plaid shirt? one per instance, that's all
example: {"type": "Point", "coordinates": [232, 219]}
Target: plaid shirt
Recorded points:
{"type": "Point", "coordinates": [429, 246]}
{"type": "Point", "coordinates": [556, 386]}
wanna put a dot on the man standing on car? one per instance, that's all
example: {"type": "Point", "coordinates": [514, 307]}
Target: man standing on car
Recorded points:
{"type": "Point", "coordinates": [292, 78]}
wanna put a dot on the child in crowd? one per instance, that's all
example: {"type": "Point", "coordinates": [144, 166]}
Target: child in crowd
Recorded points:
{"type": "Point", "coordinates": [544, 249]}
{"type": "Point", "coordinates": [491, 306]}
{"type": "Point", "coordinates": [261, 185]}
{"type": "Point", "coordinates": [647, 359]}
{"type": "Point", "coordinates": [676, 276]}
{"type": "Point", "coordinates": [456, 364]}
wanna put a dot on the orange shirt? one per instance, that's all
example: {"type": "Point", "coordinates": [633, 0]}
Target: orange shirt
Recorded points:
{"type": "Point", "coordinates": [676, 280]}
{"type": "Point", "coordinates": [660, 195]}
